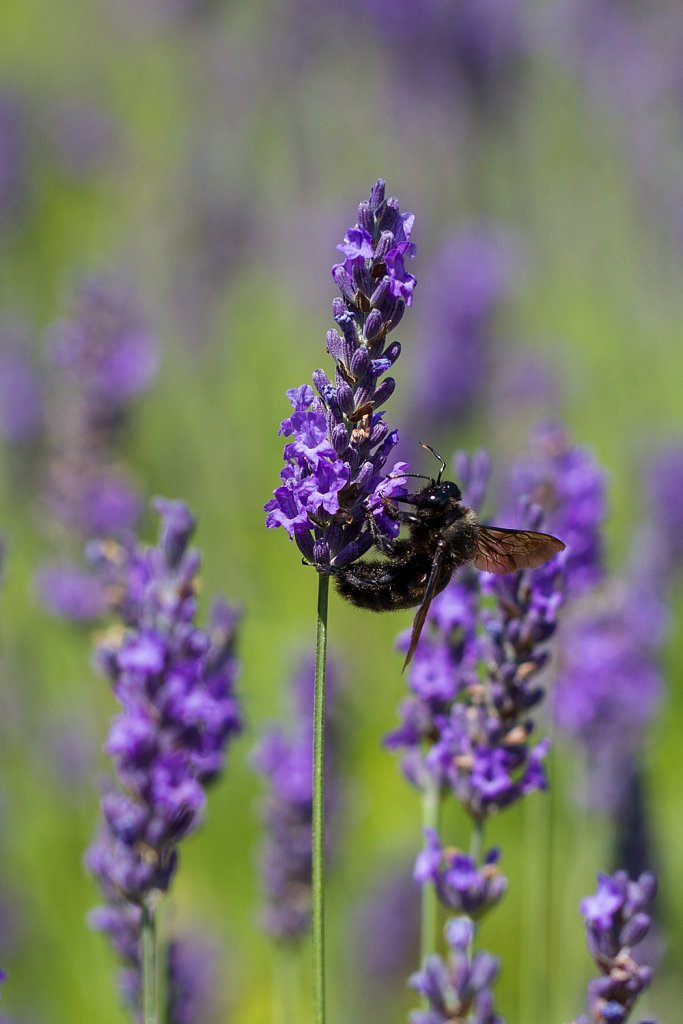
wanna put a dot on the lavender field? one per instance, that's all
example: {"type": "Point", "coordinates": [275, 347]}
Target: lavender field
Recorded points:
{"type": "Point", "coordinates": [252, 257]}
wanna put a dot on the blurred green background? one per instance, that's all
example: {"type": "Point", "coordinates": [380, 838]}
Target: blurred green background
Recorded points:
{"type": "Point", "coordinates": [232, 143]}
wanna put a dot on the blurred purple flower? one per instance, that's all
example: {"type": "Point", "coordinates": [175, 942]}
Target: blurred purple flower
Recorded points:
{"type": "Point", "coordinates": [386, 928]}
{"type": "Point", "coordinates": [175, 684]}
{"type": "Point", "coordinates": [286, 761]}
{"type": "Point", "coordinates": [91, 500]}
{"type": "Point", "coordinates": [458, 325]}
{"type": "Point", "coordinates": [192, 975]}
{"type": "Point", "coordinates": [663, 487]}
{"type": "Point", "coordinates": [609, 684]}
{"type": "Point", "coordinates": [13, 156]}
{"type": "Point", "coordinates": [83, 138]}
{"type": "Point", "coordinates": [103, 357]}
{"type": "Point", "coordinates": [617, 919]}
{"type": "Point", "coordinates": [467, 51]}
{"type": "Point", "coordinates": [21, 412]}
{"type": "Point", "coordinates": [568, 485]}
{"type": "Point", "coordinates": [105, 348]}
{"type": "Point", "coordinates": [70, 592]}
{"type": "Point", "coordinates": [460, 988]}
{"type": "Point", "coordinates": [333, 481]}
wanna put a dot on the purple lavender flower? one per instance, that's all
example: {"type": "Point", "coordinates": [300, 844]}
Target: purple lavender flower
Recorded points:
{"type": "Point", "coordinates": [458, 327]}
{"type": "Point", "coordinates": [473, 733]}
{"type": "Point", "coordinates": [663, 486]}
{"type": "Point", "coordinates": [103, 357]}
{"type": "Point", "coordinates": [332, 482]}
{"type": "Point", "coordinates": [13, 156]}
{"type": "Point", "coordinates": [175, 684]}
{"type": "Point", "coordinates": [617, 918]}
{"type": "Point", "coordinates": [21, 412]}
{"type": "Point", "coordinates": [461, 885]}
{"type": "Point", "coordinates": [71, 592]}
{"type": "Point", "coordinates": [568, 485]}
{"type": "Point", "coordinates": [191, 980]}
{"type": "Point", "coordinates": [105, 348]}
{"type": "Point", "coordinates": [609, 684]}
{"type": "Point", "coordinates": [469, 50]}
{"type": "Point", "coordinates": [458, 989]}
{"type": "Point", "coordinates": [286, 761]}
{"type": "Point", "coordinates": [386, 929]}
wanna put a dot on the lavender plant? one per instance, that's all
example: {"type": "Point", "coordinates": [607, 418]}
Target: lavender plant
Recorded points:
{"type": "Point", "coordinates": [285, 761]}
{"type": "Point", "coordinates": [333, 482]}
{"type": "Point", "coordinates": [466, 729]}
{"type": "Point", "coordinates": [103, 357]}
{"type": "Point", "coordinates": [175, 683]}
{"type": "Point", "coordinates": [617, 918]}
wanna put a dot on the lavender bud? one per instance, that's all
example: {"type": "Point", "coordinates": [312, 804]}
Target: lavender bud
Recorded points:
{"type": "Point", "coordinates": [335, 344]}
{"type": "Point", "coordinates": [381, 293]}
{"type": "Point", "coordinates": [384, 391]}
{"type": "Point", "coordinates": [360, 364]}
{"type": "Point", "coordinates": [340, 438]}
{"type": "Point", "coordinates": [344, 284]}
{"type": "Point", "coordinates": [374, 325]}
{"type": "Point", "coordinates": [635, 930]}
{"type": "Point", "coordinates": [365, 216]}
{"type": "Point", "coordinates": [345, 398]}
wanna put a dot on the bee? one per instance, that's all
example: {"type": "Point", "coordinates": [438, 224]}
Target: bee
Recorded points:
{"type": "Point", "coordinates": [444, 534]}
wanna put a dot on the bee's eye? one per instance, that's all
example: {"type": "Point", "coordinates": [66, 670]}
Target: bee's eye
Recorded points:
{"type": "Point", "coordinates": [437, 500]}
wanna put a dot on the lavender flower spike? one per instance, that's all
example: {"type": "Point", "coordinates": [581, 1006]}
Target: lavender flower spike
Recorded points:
{"type": "Point", "coordinates": [175, 684]}
{"type": "Point", "coordinates": [460, 884]}
{"type": "Point", "coordinates": [333, 482]}
{"type": "Point", "coordinates": [617, 918]}
{"type": "Point", "coordinates": [285, 759]}
{"type": "Point", "coordinates": [459, 990]}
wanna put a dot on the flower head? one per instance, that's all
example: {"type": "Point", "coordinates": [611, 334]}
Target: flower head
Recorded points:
{"type": "Point", "coordinates": [567, 484]}
{"type": "Point", "coordinates": [175, 684]}
{"type": "Point", "coordinates": [617, 918]}
{"type": "Point", "coordinates": [462, 886]}
{"type": "Point", "coordinates": [459, 988]}
{"type": "Point", "coordinates": [333, 487]}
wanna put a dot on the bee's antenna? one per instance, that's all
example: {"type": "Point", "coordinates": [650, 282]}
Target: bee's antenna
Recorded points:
{"type": "Point", "coordinates": [399, 476]}
{"type": "Point", "coordinates": [436, 456]}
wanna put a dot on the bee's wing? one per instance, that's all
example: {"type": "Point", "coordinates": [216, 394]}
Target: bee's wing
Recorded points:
{"type": "Point", "coordinates": [430, 592]}
{"type": "Point", "coordinates": [503, 551]}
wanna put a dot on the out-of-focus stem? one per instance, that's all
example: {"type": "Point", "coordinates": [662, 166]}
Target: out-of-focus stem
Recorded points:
{"type": "Point", "coordinates": [429, 924]}
{"type": "Point", "coordinates": [318, 851]}
{"type": "Point", "coordinates": [148, 943]}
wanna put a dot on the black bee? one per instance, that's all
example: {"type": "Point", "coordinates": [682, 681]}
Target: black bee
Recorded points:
{"type": "Point", "coordinates": [444, 534]}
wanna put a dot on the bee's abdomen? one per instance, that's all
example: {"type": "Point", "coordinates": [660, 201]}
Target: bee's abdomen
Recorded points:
{"type": "Point", "coordinates": [383, 586]}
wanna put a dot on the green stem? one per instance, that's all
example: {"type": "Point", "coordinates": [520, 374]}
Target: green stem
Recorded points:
{"type": "Point", "coordinates": [429, 924]}
{"type": "Point", "coordinates": [318, 851]}
{"type": "Point", "coordinates": [148, 941]}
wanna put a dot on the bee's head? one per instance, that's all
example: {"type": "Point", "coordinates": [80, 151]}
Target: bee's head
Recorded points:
{"type": "Point", "coordinates": [439, 496]}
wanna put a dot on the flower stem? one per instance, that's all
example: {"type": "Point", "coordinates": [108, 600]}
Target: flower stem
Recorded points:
{"type": "Point", "coordinates": [429, 922]}
{"type": "Point", "coordinates": [148, 940]}
{"type": "Point", "coordinates": [318, 851]}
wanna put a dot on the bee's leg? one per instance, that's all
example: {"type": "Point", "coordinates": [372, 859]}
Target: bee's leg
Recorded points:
{"type": "Point", "coordinates": [387, 545]}
{"type": "Point", "coordinates": [407, 518]}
